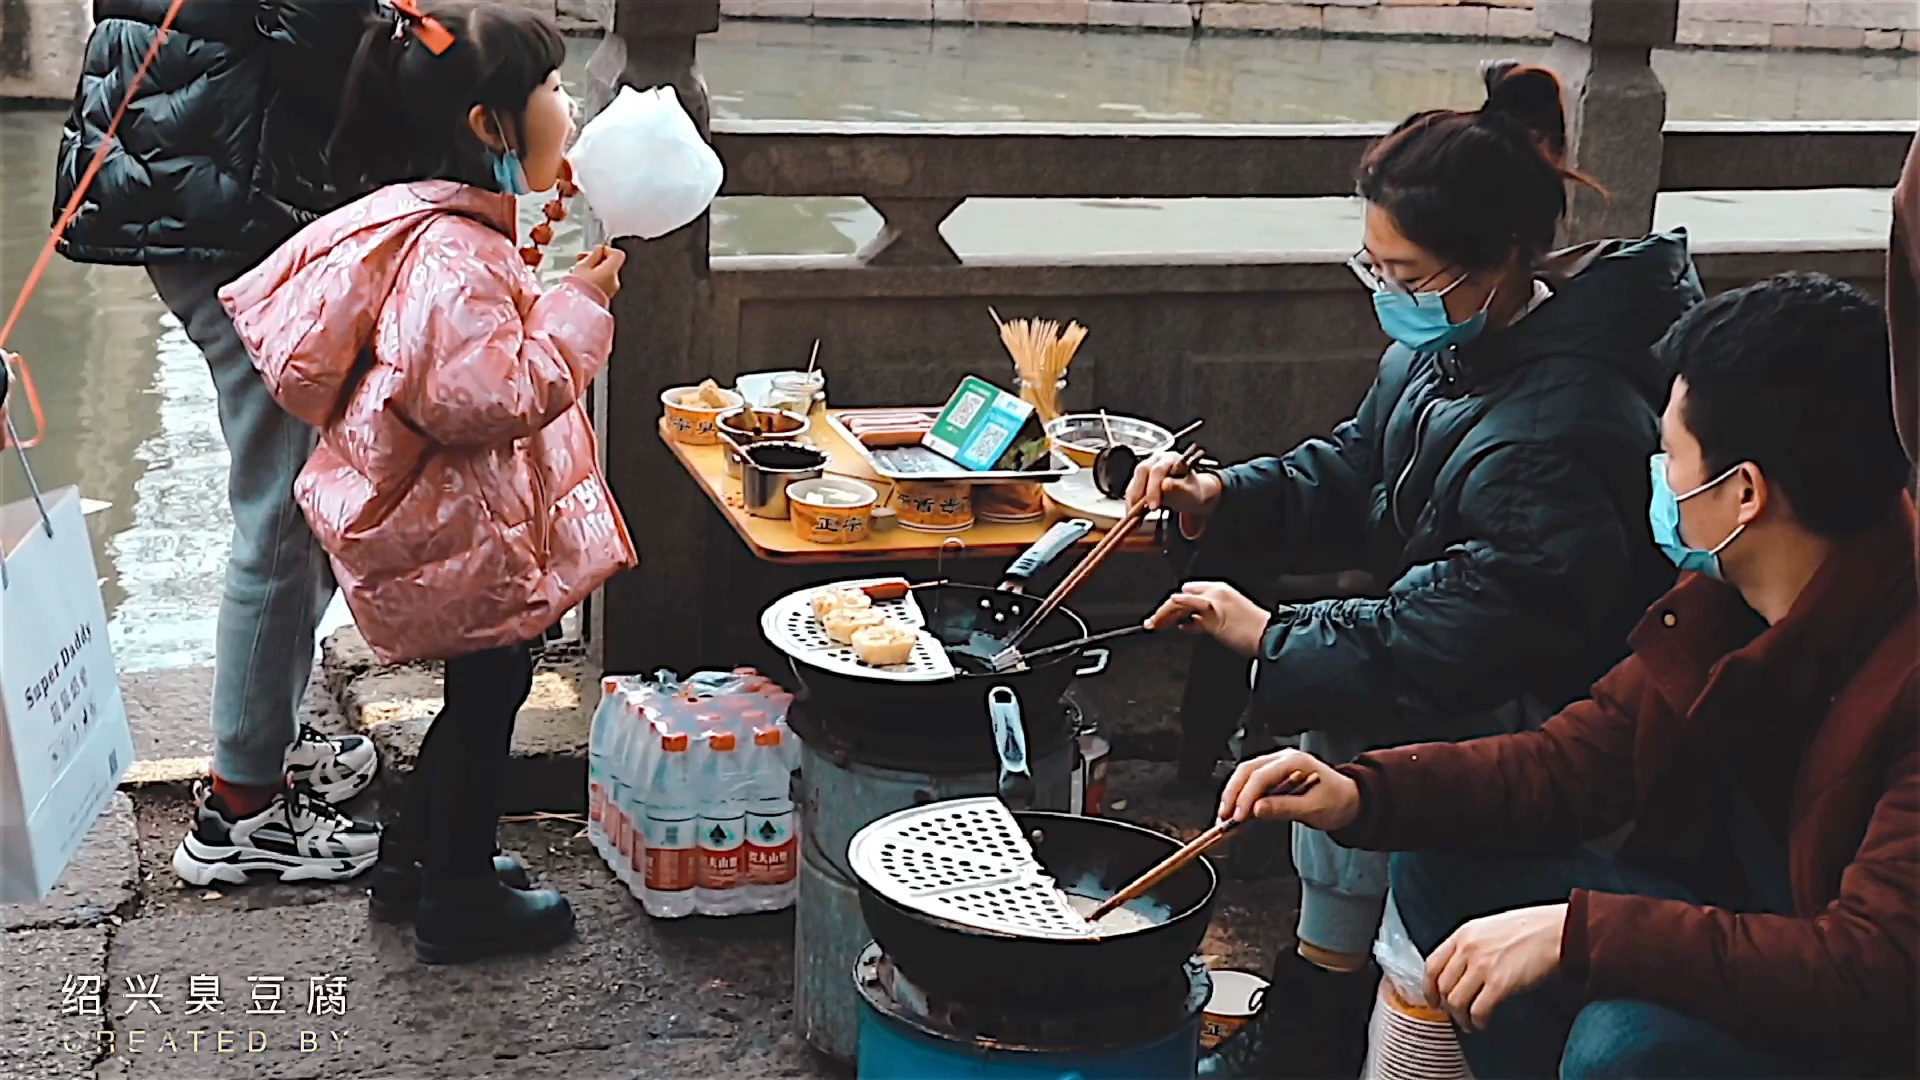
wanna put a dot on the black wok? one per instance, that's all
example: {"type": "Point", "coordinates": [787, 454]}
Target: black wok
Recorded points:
{"type": "Point", "coordinates": [971, 713]}
{"type": "Point", "coordinates": [1094, 857]}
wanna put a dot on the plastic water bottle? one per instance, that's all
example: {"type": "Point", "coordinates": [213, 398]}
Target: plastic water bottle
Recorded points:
{"type": "Point", "coordinates": [623, 782]}
{"type": "Point", "coordinates": [619, 780]}
{"type": "Point", "coordinates": [639, 755]}
{"type": "Point", "coordinates": [671, 848]}
{"type": "Point", "coordinates": [721, 792]}
{"type": "Point", "coordinates": [599, 752]}
{"type": "Point", "coordinates": [771, 845]}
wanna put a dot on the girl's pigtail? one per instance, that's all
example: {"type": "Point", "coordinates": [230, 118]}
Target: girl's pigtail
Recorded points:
{"type": "Point", "coordinates": [368, 109]}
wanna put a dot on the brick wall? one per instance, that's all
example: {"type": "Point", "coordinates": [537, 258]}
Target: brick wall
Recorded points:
{"type": "Point", "coordinates": [1882, 25]}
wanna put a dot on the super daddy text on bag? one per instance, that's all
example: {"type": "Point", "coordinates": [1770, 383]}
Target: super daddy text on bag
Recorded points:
{"type": "Point", "coordinates": [64, 740]}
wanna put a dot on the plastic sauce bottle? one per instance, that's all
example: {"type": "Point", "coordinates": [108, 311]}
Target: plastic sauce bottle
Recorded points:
{"type": "Point", "coordinates": [723, 820]}
{"type": "Point", "coordinates": [771, 844]}
{"type": "Point", "coordinates": [671, 849]}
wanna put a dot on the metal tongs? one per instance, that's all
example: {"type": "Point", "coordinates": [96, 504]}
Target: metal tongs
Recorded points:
{"type": "Point", "coordinates": [1010, 657]}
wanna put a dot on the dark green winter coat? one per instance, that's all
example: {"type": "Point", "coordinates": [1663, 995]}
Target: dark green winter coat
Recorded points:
{"type": "Point", "coordinates": [1501, 487]}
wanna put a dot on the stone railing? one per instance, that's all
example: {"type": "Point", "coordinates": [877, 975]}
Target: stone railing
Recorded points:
{"type": "Point", "coordinates": [1269, 347]}
{"type": "Point", "coordinates": [1844, 25]}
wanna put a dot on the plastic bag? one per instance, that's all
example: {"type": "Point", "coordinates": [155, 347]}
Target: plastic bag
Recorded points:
{"type": "Point", "coordinates": [1399, 958]}
{"type": "Point", "coordinates": [643, 166]}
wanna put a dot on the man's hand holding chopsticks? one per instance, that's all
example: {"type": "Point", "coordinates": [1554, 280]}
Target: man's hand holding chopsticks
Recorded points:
{"type": "Point", "coordinates": [1275, 787]}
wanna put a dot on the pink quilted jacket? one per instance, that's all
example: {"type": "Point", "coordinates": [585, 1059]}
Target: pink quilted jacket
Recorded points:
{"type": "Point", "coordinates": [456, 484]}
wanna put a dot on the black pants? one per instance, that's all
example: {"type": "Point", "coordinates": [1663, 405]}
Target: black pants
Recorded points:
{"type": "Point", "coordinates": [452, 805]}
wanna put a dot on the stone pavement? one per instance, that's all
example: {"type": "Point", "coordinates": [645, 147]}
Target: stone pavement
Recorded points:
{"type": "Point", "coordinates": [630, 997]}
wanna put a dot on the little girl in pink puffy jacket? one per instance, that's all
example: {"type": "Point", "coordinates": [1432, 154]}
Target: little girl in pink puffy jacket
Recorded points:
{"type": "Point", "coordinates": [455, 485]}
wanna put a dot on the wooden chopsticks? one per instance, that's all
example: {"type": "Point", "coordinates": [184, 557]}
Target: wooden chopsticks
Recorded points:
{"type": "Point", "coordinates": [1298, 782]}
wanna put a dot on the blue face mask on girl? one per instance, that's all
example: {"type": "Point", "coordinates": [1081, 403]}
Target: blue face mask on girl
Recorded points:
{"type": "Point", "coordinates": [1418, 320]}
{"type": "Point", "coordinates": [508, 175]}
{"type": "Point", "coordinates": [1663, 513]}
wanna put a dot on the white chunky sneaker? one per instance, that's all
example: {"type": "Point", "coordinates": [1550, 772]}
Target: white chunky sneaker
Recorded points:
{"type": "Point", "coordinates": [336, 767]}
{"type": "Point", "coordinates": [298, 836]}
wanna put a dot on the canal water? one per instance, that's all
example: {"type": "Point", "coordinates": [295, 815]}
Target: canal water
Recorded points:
{"type": "Point", "coordinates": [132, 412]}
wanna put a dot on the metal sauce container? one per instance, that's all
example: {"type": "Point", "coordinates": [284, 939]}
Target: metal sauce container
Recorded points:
{"type": "Point", "coordinates": [768, 468]}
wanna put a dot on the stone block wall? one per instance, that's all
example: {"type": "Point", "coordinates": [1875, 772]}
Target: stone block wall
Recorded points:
{"type": "Point", "coordinates": [1853, 25]}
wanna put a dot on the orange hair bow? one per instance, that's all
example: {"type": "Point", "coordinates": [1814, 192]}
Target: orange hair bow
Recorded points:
{"type": "Point", "coordinates": [429, 31]}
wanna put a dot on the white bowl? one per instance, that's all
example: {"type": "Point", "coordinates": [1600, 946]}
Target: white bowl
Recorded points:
{"type": "Point", "coordinates": [1080, 436]}
{"type": "Point", "coordinates": [1076, 496]}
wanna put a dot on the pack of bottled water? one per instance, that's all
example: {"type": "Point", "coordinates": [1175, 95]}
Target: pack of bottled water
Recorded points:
{"type": "Point", "coordinates": [689, 791]}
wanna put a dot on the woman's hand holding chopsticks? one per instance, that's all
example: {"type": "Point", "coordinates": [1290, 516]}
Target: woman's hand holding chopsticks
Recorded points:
{"type": "Point", "coordinates": [1291, 785]}
{"type": "Point", "coordinates": [1216, 608]}
{"type": "Point", "coordinates": [1160, 482]}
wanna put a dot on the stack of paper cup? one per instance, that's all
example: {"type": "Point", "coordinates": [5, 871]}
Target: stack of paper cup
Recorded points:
{"type": "Point", "coordinates": [1411, 1042]}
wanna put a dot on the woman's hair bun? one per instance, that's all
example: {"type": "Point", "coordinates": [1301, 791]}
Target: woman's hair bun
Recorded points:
{"type": "Point", "coordinates": [1531, 97]}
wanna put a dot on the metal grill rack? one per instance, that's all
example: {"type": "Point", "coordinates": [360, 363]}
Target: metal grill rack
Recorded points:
{"type": "Point", "coordinates": [965, 861]}
{"type": "Point", "coordinates": [789, 625]}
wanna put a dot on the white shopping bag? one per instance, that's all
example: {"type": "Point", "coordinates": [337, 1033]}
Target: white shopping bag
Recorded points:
{"type": "Point", "coordinates": [64, 740]}
{"type": "Point", "coordinates": [643, 166]}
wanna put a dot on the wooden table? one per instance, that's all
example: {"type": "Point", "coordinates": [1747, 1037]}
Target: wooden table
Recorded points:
{"type": "Point", "coordinates": [774, 541]}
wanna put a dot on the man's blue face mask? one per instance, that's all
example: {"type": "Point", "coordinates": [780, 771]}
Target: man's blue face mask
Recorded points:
{"type": "Point", "coordinates": [1663, 513]}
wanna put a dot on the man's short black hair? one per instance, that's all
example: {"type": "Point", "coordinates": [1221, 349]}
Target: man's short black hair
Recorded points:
{"type": "Point", "coordinates": [1791, 374]}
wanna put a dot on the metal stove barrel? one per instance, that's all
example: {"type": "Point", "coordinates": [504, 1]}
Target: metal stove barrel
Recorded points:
{"type": "Point", "coordinates": [840, 795]}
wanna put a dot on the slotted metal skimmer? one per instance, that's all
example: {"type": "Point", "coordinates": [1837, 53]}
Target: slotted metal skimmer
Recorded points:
{"type": "Point", "coordinates": [965, 861]}
{"type": "Point", "coordinates": [789, 625]}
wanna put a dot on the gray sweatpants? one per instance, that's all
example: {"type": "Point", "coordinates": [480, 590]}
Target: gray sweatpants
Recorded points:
{"type": "Point", "coordinates": [1343, 892]}
{"type": "Point", "coordinates": [278, 580]}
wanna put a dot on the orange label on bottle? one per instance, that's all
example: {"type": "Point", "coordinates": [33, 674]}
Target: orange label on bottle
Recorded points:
{"type": "Point", "coordinates": [771, 865]}
{"type": "Point", "coordinates": [719, 869]}
{"type": "Point", "coordinates": [671, 869]}
{"type": "Point", "coordinates": [596, 799]}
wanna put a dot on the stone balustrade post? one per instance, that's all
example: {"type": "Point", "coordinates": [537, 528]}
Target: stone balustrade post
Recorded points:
{"type": "Point", "coordinates": [652, 618]}
{"type": "Point", "coordinates": [42, 43]}
{"type": "Point", "coordinates": [1602, 49]}
{"type": "Point", "coordinates": [910, 233]}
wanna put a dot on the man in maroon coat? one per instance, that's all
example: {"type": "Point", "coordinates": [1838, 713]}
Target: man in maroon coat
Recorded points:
{"type": "Point", "coordinates": [1761, 916]}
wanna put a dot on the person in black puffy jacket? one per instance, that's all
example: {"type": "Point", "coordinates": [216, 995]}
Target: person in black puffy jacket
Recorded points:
{"type": "Point", "coordinates": [220, 158]}
{"type": "Point", "coordinates": [1495, 474]}
{"type": "Point", "coordinates": [222, 153]}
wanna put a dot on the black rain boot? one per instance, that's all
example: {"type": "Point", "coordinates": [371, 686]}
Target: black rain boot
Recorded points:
{"type": "Point", "coordinates": [393, 886]}
{"type": "Point", "coordinates": [461, 920]}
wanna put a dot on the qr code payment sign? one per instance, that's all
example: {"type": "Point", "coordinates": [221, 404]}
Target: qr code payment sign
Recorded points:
{"type": "Point", "coordinates": [967, 408]}
{"type": "Point", "coordinates": [991, 436]}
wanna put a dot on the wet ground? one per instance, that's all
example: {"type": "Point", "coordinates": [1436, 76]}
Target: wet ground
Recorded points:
{"type": "Point", "coordinates": [132, 409]}
{"type": "Point", "coordinates": [630, 997]}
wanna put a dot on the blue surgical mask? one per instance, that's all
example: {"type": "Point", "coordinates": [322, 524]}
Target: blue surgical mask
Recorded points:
{"type": "Point", "coordinates": [1419, 320]}
{"type": "Point", "coordinates": [508, 176]}
{"type": "Point", "coordinates": [1663, 512]}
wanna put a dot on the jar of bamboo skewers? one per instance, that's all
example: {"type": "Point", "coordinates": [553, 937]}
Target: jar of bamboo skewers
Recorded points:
{"type": "Point", "coordinates": [1042, 350]}
{"type": "Point", "coordinates": [1044, 398]}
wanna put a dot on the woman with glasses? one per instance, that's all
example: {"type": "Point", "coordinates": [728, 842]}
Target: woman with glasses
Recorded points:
{"type": "Point", "coordinates": [1495, 475]}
